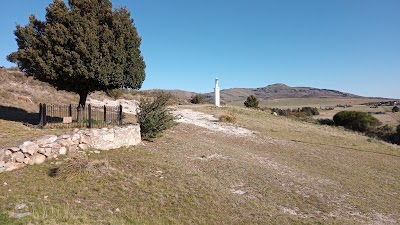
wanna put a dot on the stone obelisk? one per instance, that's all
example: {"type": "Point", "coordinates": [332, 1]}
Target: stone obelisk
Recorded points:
{"type": "Point", "coordinates": [216, 94]}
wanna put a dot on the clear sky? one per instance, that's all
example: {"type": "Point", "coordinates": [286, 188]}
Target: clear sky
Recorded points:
{"type": "Point", "coordinates": [347, 45]}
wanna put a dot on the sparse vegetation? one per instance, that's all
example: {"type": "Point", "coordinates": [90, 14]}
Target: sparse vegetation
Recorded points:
{"type": "Point", "coordinates": [228, 117]}
{"type": "Point", "coordinates": [153, 116]}
{"type": "Point", "coordinates": [395, 109]}
{"type": "Point", "coordinates": [251, 102]}
{"type": "Point", "coordinates": [298, 113]}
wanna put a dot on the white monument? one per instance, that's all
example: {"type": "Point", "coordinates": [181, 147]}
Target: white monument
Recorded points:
{"type": "Point", "coordinates": [216, 94]}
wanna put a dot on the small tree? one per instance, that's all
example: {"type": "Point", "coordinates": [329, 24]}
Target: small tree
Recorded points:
{"type": "Point", "coordinates": [153, 116]}
{"type": "Point", "coordinates": [197, 99]}
{"type": "Point", "coordinates": [357, 121]}
{"type": "Point", "coordinates": [83, 47]}
{"type": "Point", "coordinates": [395, 109]}
{"type": "Point", "coordinates": [251, 102]}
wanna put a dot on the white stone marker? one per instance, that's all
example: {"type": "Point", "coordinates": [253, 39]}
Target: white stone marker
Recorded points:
{"type": "Point", "coordinates": [216, 94]}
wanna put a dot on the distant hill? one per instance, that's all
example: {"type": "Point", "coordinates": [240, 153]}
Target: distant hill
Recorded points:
{"type": "Point", "coordinates": [279, 90]}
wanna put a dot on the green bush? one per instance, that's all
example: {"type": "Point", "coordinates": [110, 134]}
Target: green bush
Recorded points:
{"type": "Point", "coordinates": [395, 109]}
{"type": "Point", "coordinates": [197, 99]}
{"type": "Point", "coordinates": [328, 122]}
{"type": "Point", "coordinates": [357, 121]}
{"type": "Point", "coordinates": [251, 102]}
{"type": "Point", "coordinates": [153, 116]}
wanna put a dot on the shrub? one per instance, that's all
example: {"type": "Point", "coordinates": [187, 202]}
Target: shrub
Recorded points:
{"type": "Point", "coordinates": [153, 116]}
{"type": "Point", "coordinates": [395, 109]}
{"type": "Point", "coordinates": [328, 122]}
{"type": "Point", "coordinates": [357, 121]}
{"type": "Point", "coordinates": [197, 99]}
{"type": "Point", "coordinates": [310, 111]}
{"type": "Point", "coordinates": [228, 117]}
{"type": "Point", "coordinates": [251, 102]}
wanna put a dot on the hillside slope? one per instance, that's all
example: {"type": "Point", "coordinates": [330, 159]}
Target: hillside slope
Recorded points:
{"type": "Point", "coordinates": [276, 91]}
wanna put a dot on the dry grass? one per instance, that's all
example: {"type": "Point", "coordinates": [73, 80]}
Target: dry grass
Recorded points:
{"type": "Point", "coordinates": [288, 173]}
{"type": "Point", "coordinates": [229, 117]}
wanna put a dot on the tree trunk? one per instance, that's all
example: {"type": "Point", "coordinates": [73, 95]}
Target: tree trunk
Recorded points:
{"type": "Point", "coordinates": [82, 99]}
{"type": "Point", "coordinates": [81, 106]}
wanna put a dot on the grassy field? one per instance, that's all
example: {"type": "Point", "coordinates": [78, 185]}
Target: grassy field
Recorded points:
{"type": "Point", "coordinates": [288, 172]}
{"type": "Point", "coordinates": [383, 113]}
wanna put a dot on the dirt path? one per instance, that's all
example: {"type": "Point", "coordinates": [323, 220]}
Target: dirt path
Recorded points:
{"type": "Point", "coordinates": [210, 122]}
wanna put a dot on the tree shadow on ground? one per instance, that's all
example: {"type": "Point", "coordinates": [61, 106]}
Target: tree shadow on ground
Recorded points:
{"type": "Point", "coordinates": [18, 115]}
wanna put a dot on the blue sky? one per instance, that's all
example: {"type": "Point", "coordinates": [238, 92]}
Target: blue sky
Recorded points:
{"type": "Point", "coordinates": [347, 45]}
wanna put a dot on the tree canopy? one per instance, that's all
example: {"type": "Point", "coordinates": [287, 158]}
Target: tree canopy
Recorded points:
{"type": "Point", "coordinates": [251, 102]}
{"type": "Point", "coordinates": [357, 121]}
{"type": "Point", "coordinates": [81, 47]}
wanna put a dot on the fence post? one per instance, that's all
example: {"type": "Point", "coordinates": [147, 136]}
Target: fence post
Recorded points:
{"type": "Point", "coordinates": [70, 110]}
{"type": "Point", "coordinates": [90, 115]}
{"type": "Point", "coordinates": [40, 115]}
{"type": "Point", "coordinates": [105, 114]}
{"type": "Point", "coordinates": [120, 115]}
{"type": "Point", "coordinates": [44, 113]}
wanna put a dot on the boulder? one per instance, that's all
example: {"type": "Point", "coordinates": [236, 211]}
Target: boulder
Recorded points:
{"type": "Point", "coordinates": [63, 151]}
{"type": "Point", "coordinates": [46, 140]}
{"type": "Point", "coordinates": [26, 160]}
{"type": "Point", "coordinates": [66, 142]}
{"type": "Point", "coordinates": [19, 157]}
{"type": "Point", "coordinates": [73, 148]}
{"type": "Point", "coordinates": [29, 147]}
{"type": "Point", "coordinates": [13, 166]}
{"type": "Point", "coordinates": [8, 156]}
{"type": "Point", "coordinates": [84, 147]}
{"type": "Point", "coordinates": [85, 139]}
{"type": "Point", "coordinates": [37, 159]}
{"type": "Point", "coordinates": [48, 152]}
{"type": "Point", "coordinates": [76, 138]}
{"type": "Point", "coordinates": [65, 136]}
{"type": "Point", "coordinates": [14, 149]}
{"type": "Point", "coordinates": [41, 150]}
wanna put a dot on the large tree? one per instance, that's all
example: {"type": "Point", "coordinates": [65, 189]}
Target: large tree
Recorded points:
{"type": "Point", "coordinates": [84, 47]}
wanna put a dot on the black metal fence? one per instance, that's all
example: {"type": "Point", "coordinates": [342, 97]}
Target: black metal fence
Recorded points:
{"type": "Point", "coordinates": [75, 116]}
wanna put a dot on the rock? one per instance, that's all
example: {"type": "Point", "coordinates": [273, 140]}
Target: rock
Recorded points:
{"type": "Point", "coordinates": [20, 206]}
{"type": "Point", "coordinates": [76, 138]}
{"type": "Point", "coordinates": [48, 139]}
{"type": "Point", "coordinates": [96, 151]}
{"type": "Point", "coordinates": [48, 152]}
{"type": "Point", "coordinates": [19, 215]}
{"type": "Point", "coordinates": [8, 156]}
{"type": "Point", "coordinates": [73, 148]}
{"type": "Point", "coordinates": [42, 150]}
{"type": "Point", "coordinates": [29, 147]}
{"type": "Point", "coordinates": [63, 151]}
{"type": "Point", "coordinates": [37, 159]}
{"type": "Point", "coordinates": [65, 136]}
{"type": "Point", "coordinates": [85, 139]}
{"type": "Point", "coordinates": [13, 166]}
{"type": "Point", "coordinates": [66, 142]}
{"type": "Point", "coordinates": [19, 157]}
{"type": "Point", "coordinates": [26, 160]}
{"type": "Point", "coordinates": [14, 149]}
{"type": "Point", "coordinates": [83, 147]}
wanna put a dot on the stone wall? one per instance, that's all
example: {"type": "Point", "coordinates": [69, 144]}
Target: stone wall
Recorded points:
{"type": "Point", "coordinates": [51, 146]}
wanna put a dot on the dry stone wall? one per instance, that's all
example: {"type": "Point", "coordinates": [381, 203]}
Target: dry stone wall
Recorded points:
{"type": "Point", "coordinates": [51, 146]}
